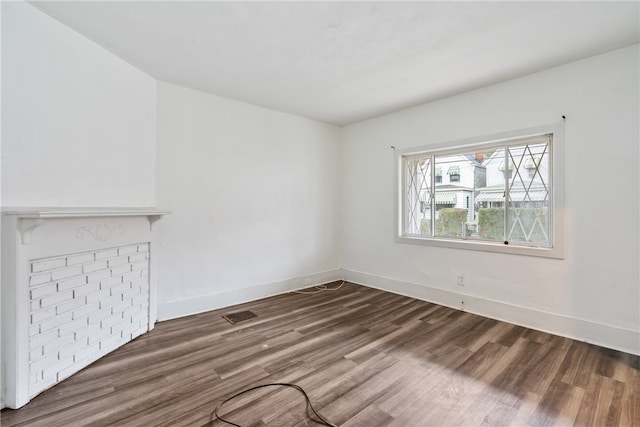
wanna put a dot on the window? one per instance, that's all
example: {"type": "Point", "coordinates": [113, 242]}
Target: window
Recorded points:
{"type": "Point", "coordinates": [505, 198]}
{"type": "Point", "coordinates": [454, 173]}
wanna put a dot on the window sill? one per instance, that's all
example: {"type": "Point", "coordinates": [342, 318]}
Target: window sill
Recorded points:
{"type": "Point", "coordinates": [477, 245]}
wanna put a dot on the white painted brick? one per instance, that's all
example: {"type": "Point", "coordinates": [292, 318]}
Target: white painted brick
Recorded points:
{"type": "Point", "coordinates": [120, 326]}
{"type": "Point", "coordinates": [72, 325]}
{"type": "Point", "coordinates": [74, 282]}
{"type": "Point", "coordinates": [47, 382]}
{"type": "Point", "coordinates": [118, 290]}
{"type": "Point", "coordinates": [63, 374]}
{"type": "Point", "coordinates": [40, 291]}
{"type": "Point", "coordinates": [70, 305]}
{"type": "Point", "coordinates": [86, 309]}
{"type": "Point", "coordinates": [36, 354]}
{"type": "Point", "coordinates": [34, 329]}
{"type": "Point", "coordinates": [91, 287]}
{"type": "Point", "coordinates": [34, 378]}
{"type": "Point", "coordinates": [126, 250]}
{"type": "Point", "coordinates": [97, 295]}
{"type": "Point", "coordinates": [108, 283]}
{"type": "Point", "coordinates": [42, 338]}
{"type": "Point", "coordinates": [140, 265]}
{"type": "Point", "coordinates": [137, 257]}
{"type": "Point", "coordinates": [57, 367]}
{"type": "Point", "coordinates": [128, 277]}
{"type": "Point", "coordinates": [109, 253]}
{"type": "Point", "coordinates": [63, 273]}
{"type": "Point", "coordinates": [139, 318]}
{"type": "Point", "coordinates": [55, 322]}
{"type": "Point", "coordinates": [43, 363]}
{"type": "Point", "coordinates": [111, 342]}
{"type": "Point", "coordinates": [81, 258]}
{"type": "Point", "coordinates": [96, 317]}
{"type": "Point", "coordinates": [86, 352]}
{"type": "Point", "coordinates": [47, 264]}
{"type": "Point", "coordinates": [109, 321]}
{"type": "Point", "coordinates": [121, 306]}
{"type": "Point", "coordinates": [131, 292]}
{"type": "Point", "coordinates": [140, 299]}
{"type": "Point", "coordinates": [56, 298]}
{"type": "Point", "coordinates": [87, 331]}
{"type": "Point", "coordinates": [140, 281]}
{"type": "Point", "coordinates": [98, 275]}
{"type": "Point", "coordinates": [131, 310]}
{"type": "Point", "coordinates": [108, 302]}
{"type": "Point", "coordinates": [34, 304]}
{"type": "Point", "coordinates": [120, 270]}
{"type": "Point", "coordinates": [99, 335]}
{"type": "Point", "coordinates": [94, 266]}
{"type": "Point", "coordinates": [114, 262]}
{"type": "Point", "coordinates": [86, 289]}
{"type": "Point", "coordinates": [127, 334]}
{"type": "Point", "coordinates": [55, 345]}
{"type": "Point", "coordinates": [38, 279]}
{"type": "Point", "coordinates": [69, 350]}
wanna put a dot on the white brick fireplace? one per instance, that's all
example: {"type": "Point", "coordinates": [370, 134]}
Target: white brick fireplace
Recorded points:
{"type": "Point", "coordinates": [76, 285]}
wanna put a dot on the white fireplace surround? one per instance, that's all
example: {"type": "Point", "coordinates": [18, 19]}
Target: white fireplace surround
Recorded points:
{"type": "Point", "coordinates": [77, 283]}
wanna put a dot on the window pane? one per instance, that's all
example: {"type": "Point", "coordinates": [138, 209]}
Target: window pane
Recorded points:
{"type": "Point", "coordinates": [464, 176]}
{"type": "Point", "coordinates": [490, 197]}
{"type": "Point", "coordinates": [418, 196]}
{"type": "Point", "coordinates": [493, 192]}
{"type": "Point", "coordinates": [528, 203]}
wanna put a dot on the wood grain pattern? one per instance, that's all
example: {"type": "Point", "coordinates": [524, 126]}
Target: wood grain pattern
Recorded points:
{"type": "Point", "coordinates": [364, 356]}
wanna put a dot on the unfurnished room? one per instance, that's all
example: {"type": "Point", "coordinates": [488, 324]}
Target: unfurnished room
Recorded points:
{"type": "Point", "coordinates": [301, 213]}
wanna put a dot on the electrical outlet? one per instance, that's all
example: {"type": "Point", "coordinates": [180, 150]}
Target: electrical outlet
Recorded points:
{"type": "Point", "coordinates": [460, 279]}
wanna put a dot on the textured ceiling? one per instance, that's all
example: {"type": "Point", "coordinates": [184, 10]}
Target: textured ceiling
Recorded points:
{"type": "Point", "coordinates": [343, 62]}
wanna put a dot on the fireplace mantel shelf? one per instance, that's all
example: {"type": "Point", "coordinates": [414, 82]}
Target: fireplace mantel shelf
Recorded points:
{"type": "Point", "coordinates": [38, 212]}
{"type": "Point", "coordinates": [31, 218]}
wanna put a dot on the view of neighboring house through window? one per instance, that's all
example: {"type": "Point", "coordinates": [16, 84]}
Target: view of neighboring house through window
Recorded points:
{"type": "Point", "coordinates": [495, 192]}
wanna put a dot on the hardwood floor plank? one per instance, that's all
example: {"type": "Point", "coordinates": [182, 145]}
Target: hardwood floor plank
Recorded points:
{"type": "Point", "coordinates": [559, 406]}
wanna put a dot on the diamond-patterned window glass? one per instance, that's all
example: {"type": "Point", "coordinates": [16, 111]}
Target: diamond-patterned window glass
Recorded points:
{"type": "Point", "coordinates": [528, 193]}
{"type": "Point", "coordinates": [417, 187]}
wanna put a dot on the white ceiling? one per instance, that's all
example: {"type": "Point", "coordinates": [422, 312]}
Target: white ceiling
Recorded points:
{"type": "Point", "coordinates": [342, 62]}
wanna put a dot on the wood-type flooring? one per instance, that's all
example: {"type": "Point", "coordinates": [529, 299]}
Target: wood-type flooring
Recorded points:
{"type": "Point", "coordinates": [365, 357]}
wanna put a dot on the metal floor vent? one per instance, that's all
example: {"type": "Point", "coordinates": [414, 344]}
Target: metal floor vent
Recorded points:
{"type": "Point", "coordinates": [234, 318]}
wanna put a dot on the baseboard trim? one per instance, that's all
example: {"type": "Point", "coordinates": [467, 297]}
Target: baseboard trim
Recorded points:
{"type": "Point", "coordinates": [186, 307]}
{"type": "Point", "coordinates": [600, 334]}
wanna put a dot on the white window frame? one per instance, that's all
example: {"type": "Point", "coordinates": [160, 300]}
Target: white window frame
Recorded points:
{"type": "Point", "coordinates": [556, 196]}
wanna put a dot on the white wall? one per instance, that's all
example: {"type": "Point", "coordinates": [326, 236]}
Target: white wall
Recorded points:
{"type": "Point", "coordinates": [78, 123]}
{"type": "Point", "coordinates": [253, 195]}
{"type": "Point", "coordinates": [593, 294]}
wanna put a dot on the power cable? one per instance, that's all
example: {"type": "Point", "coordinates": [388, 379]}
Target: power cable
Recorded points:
{"type": "Point", "coordinates": [320, 420]}
{"type": "Point", "coordinates": [319, 288]}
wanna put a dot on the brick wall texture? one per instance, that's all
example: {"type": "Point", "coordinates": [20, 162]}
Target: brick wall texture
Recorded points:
{"type": "Point", "coordinates": [84, 306]}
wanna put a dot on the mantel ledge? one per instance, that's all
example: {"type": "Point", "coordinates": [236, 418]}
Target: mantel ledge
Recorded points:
{"type": "Point", "coordinates": [32, 217]}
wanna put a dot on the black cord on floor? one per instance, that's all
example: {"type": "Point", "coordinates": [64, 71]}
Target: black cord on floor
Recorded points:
{"type": "Point", "coordinates": [322, 420]}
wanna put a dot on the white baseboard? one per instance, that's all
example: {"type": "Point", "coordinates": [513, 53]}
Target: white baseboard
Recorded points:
{"type": "Point", "coordinates": [609, 336]}
{"type": "Point", "coordinates": [200, 304]}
